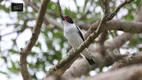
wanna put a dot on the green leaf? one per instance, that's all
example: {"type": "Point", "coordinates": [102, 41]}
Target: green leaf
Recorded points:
{"type": "Point", "coordinates": [4, 58]}
{"type": "Point", "coordinates": [67, 11]}
{"type": "Point", "coordinates": [2, 7]}
{"type": "Point", "coordinates": [13, 51]}
{"type": "Point", "coordinates": [13, 68]}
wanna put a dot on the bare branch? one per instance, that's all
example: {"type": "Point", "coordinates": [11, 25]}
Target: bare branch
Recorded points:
{"type": "Point", "coordinates": [110, 16]}
{"type": "Point", "coordinates": [80, 66]}
{"type": "Point", "coordinates": [121, 39]}
{"type": "Point", "coordinates": [129, 60]}
{"type": "Point", "coordinates": [122, 25]}
{"type": "Point", "coordinates": [105, 6]}
{"type": "Point", "coordinates": [24, 51]}
{"type": "Point", "coordinates": [118, 41]}
{"type": "Point", "coordinates": [47, 18]}
{"type": "Point", "coordinates": [60, 10]}
{"type": "Point", "coordinates": [134, 59]}
{"type": "Point", "coordinates": [127, 73]}
{"type": "Point", "coordinates": [102, 37]}
{"type": "Point", "coordinates": [131, 73]}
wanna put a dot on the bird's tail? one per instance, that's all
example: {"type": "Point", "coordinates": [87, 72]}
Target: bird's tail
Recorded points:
{"type": "Point", "coordinates": [90, 61]}
{"type": "Point", "coordinates": [86, 54]}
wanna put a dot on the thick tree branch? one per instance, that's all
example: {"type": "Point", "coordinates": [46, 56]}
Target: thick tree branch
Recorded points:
{"type": "Point", "coordinates": [129, 60]}
{"type": "Point", "coordinates": [80, 66]}
{"type": "Point", "coordinates": [118, 41]}
{"type": "Point", "coordinates": [126, 26]}
{"type": "Point", "coordinates": [24, 51]}
{"type": "Point", "coordinates": [123, 25]}
{"type": "Point", "coordinates": [131, 73]}
{"type": "Point", "coordinates": [127, 73]}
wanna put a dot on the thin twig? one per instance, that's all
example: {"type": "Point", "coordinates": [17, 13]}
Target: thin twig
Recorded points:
{"type": "Point", "coordinates": [60, 10]}
{"type": "Point", "coordinates": [110, 16]}
{"type": "Point", "coordinates": [76, 5]}
{"type": "Point", "coordinates": [24, 51]}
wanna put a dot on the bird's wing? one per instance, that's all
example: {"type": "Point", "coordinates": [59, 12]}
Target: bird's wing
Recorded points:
{"type": "Point", "coordinates": [79, 31]}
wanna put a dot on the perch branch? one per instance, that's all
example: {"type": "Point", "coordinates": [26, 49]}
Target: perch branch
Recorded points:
{"type": "Point", "coordinates": [128, 60]}
{"type": "Point", "coordinates": [24, 51]}
{"type": "Point", "coordinates": [65, 63]}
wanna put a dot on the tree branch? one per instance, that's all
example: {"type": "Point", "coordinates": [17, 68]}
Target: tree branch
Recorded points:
{"type": "Point", "coordinates": [126, 26]}
{"type": "Point", "coordinates": [80, 66]}
{"type": "Point", "coordinates": [24, 51]}
{"type": "Point", "coordinates": [131, 73]}
{"type": "Point", "coordinates": [121, 39]}
{"type": "Point", "coordinates": [108, 17]}
{"type": "Point", "coordinates": [127, 61]}
{"type": "Point", "coordinates": [122, 25]}
{"type": "Point", "coordinates": [118, 41]}
{"type": "Point", "coordinates": [105, 6]}
{"type": "Point", "coordinates": [127, 73]}
{"type": "Point", "coordinates": [61, 67]}
{"type": "Point", "coordinates": [101, 60]}
{"type": "Point", "coordinates": [135, 58]}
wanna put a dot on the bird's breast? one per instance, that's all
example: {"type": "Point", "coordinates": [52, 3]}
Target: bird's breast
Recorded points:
{"type": "Point", "coordinates": [73, 37]}
{"type": "Point", "coordinates": [69, 29]}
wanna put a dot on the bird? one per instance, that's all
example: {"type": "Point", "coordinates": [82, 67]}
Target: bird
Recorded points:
{"type": "Point", "coordinates": [74, 36]}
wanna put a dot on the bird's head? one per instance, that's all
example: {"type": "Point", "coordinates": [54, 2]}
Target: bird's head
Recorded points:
{"type": "Point", "coordinates": [67, 19]}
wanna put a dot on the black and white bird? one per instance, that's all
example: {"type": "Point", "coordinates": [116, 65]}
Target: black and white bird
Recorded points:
{"type": "Point", "coordinates": [74, 36]}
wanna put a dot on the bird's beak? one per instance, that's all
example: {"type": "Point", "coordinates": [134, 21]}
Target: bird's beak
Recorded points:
{"type": "Point", "coordinates": [62, 17]}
